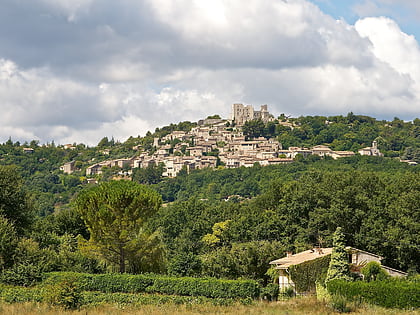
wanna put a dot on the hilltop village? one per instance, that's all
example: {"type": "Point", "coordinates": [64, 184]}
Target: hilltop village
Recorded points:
{"type": "Point", "coordinates": [215, 142]}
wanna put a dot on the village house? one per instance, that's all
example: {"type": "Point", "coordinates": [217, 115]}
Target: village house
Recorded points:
{"type": "Point", "coordinates": [294, 151]}
{"type": "Point", "coordinates": [215, 135]}
{"type": "Point", "coordinates": [69, 146]}
{"type": "Point", "coordinates": [321, 150]}
{"type": "Point", "coordinates": [195, 151]}
{"type": "Point", "coordinates": [371, 151]}
{"type": "Point", "coordinates": [357, 257]}
{"type": "Point", "coordinates": [68, 167]}
{"type": "Point", "coordinates": [94, 170]}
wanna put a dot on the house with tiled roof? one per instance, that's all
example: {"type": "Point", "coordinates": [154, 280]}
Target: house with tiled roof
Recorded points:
{"type": "Point", "coordinates": [357, 257]}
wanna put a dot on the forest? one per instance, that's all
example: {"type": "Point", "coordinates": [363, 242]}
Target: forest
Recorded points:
{"type": "Point", "coordinates": [223, 223]}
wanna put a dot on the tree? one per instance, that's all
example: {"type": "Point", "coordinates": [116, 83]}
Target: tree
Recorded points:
{"type": "Point", "coordinates": [149, 175]}
{"type": "Point", "coordinates": [104, 142]}
{"type": "Point", "coordinates": [339, 267]}
{"type": "Point", "coordinates": [15, 203]}
{"type": "Point", "coordinates": [373, 271]}
{"type": "Point", "coordinates": [115, 213]}
{"type": "Point", "coordinates": [253, 128]}
{"type": "Point", "coordinates": [8, 242]}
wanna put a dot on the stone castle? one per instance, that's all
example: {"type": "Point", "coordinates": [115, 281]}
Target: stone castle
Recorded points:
{"type": "Point", "coordinates": [241, 114]}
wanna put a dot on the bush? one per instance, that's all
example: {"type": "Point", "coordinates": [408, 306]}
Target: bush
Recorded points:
{"type": "Point", "coordinates": [213, 288]}
{"type": "Point", "coordinates": [66, 293]}
{"type": "Point", "coordinates": [339, 304]}
{"type": "Point", "coordinates": [287, 292]}
{"type": "Point", "coordinates": [151, 283]}
{"type": "Point", "coordinates": [393, 293]}
{"type": "Point", "coordinates": [97, 298]}
{"type": "Point", "coordinates": [270, 292]}
{"type": "Point", "coordinates": [20, 294]}
{"type": "Point", "coordinates": [373, 271]}
{"type": "Point", "coordinates": [22, 274]}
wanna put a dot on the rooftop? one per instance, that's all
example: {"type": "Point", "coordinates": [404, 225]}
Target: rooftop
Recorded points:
{"type": "Point", "coordinates": [296, 259]}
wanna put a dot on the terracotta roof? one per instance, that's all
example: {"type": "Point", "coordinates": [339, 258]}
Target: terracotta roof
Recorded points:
{"type": "Point", "coordinates": [296, 259]}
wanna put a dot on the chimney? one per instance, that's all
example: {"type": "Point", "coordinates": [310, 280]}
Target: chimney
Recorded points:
{"type": "Point", "coordinates": [289, 254]}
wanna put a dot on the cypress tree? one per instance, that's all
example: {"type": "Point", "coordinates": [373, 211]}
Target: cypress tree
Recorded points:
{"type": "Point", "coordinates": [339, 266]}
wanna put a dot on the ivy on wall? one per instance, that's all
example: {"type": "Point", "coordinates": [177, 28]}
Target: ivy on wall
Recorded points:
{"type": "Point", "coordinates": [306, 274]}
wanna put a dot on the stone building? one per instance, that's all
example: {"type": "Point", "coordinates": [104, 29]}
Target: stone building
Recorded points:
{"type": "Point", "coordinates": [241, 113]}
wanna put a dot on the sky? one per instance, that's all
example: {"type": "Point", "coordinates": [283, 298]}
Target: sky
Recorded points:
{"type": "Point", "coordinates": [74, 71]}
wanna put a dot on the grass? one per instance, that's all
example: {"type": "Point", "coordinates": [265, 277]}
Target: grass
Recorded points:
{"type": "Point", "coordinates": [297, 306]}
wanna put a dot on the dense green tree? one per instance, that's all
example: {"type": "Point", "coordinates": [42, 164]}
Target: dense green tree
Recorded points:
{"type": "Point", "coordinates": [15, 202]}
{"type": "Point", "coordinates": [8, 242]}
{"type": "Point", "coordinates": [115, 213]}
{"type": "Point", "coordinates": [149, 175]}
{"type": "Point", "coordinates": [339, 266]}
{"type": "Point", "coordinates": [253, 128]}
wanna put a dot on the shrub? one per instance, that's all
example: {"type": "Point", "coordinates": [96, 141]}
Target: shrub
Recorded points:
{"type": "Point", "coordinates": [339, 304]}
{"type": "Point", "coordinates": [151, 283]}
{"type": "Point", "coordinates": [96, 298]}
{"type": "Point", "coordinates": [22, 275]}
{"type": "Point", "coordinates": [66, 293]}
{"type": "Point", "coordinates": [373, 271]}
{"type": "Point", "coordinates": [214, 288]}
{"type": "Point", "coordinates": [393, 293]}
{"type": "Point", "coordinates": [287, 292]}
{"type": "Point", "coordinates": [20, 294]}
{"type": "Point", "coordinates": [270, 292]}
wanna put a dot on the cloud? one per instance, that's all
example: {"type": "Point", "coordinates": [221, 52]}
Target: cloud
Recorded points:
{"type": "Point", "coordinates": [81, 70]}
{"type": "Point", "coordinates": [391, 45]}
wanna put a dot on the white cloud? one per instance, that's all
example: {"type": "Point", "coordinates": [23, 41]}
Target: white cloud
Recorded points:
{"type": "Point", "coordinates": [125, 68]}
{"type": "Point", "coordinates": [391, 45]}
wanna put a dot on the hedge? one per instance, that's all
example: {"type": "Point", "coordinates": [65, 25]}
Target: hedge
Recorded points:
{"type": "Point", "coordinates": [152, 283]}
{"type": "Point", "coordinates": [20, 294]}
{"type": "Point", "coordinates": [393, 293]}
{"type": "Point", "coordinates": [97, 298]}
{"type": "Point", "coordinates": [37, 294]}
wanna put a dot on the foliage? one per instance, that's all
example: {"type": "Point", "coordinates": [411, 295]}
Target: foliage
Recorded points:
{"type": "Point", "coordinates": [152, 283]}
{"type": "Point", "coordinates": [17, 294]}
{"type": "Point", "coordinates": [182, 265]}
{"type": "Point", "coordinates": [287, 292]}
{"type": "Point", "coordinates": [30, 261]}
{"type": "Point", "coordinates": [247, 259]}
{"type": "Point", "coordinates": [74, 298]}
{"type": "Point", "coordinates": [305, 275]}
{"type": "Point", "coordinates": [338, 267]}
{"type": "Point", "coordinates": [115, 213]}
{"type": "Point", "coordinates": [15, 203]}
{"type": "Point", "coordinates": [253, 129]}
{"type": "Point", "coordinates": [339, 304]}
{"type": "Point", "coordinates": [374, 201]}
{"type": "Point", "coordinates": [220, 229]}
{"type": "Point", "coordinates": [66, 293]}
{"type": "Point", "coordinates": [213, 288]}
{"type": "Point", "coordinates": [149, 175]}
{"type": "Point", "coordinates": [22, 275]}
{"type": "Point", "coordinates": [373, 271]}
{"type": "Point", "coordinates": [270, 292]}
{"type": "Point", "coordinates": [395, 293]}
{"type": "Point", "coordinates": [96, 298]}
{"type": "Point", "coordinates": [8, 242]}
